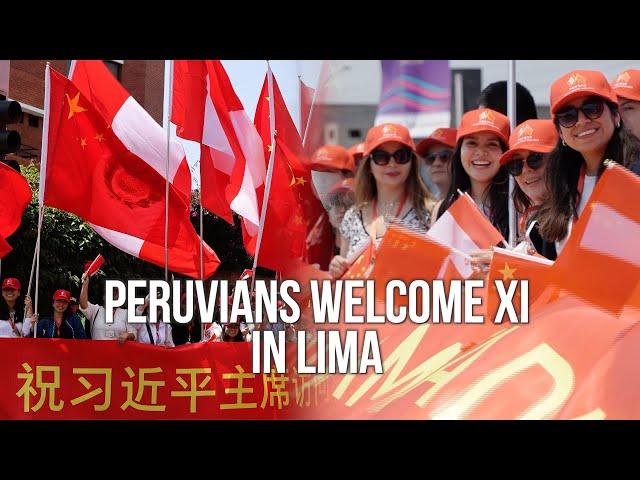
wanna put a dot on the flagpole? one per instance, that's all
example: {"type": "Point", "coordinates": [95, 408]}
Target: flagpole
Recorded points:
{"type": "Point", "coordinates": [168, 84]}
{"type": "Point", "coordinates": [267, 187]}
{"type": "Point", "coordinates": [41, 185]}
{"type": "Point", "coordinates": [313, 104]}
{"type": "Point", "coordinates": [511, 113]}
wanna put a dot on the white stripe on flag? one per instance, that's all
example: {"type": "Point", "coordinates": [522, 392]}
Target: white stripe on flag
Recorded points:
{"type": "Point", "coordinates": [124, 242]}
{"type": "Point", "coordinates": [143, 137]}
{"type": "Point", "coordinates": [446, 230]}
{"type": "Point", "coordinates": [617, 241]}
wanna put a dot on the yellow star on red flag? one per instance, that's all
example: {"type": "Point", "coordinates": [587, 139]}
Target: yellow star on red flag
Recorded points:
{"type": "Point", "coordinates": [507, 273]}
{"type": "Point", "coordinates": [73, 105]}
{"type": "Point", "coordinates": [99, 137]}
{"type": "Point", "coordinates": [83, 142]}
{"type": "Point", "coordinates": [301, 181]}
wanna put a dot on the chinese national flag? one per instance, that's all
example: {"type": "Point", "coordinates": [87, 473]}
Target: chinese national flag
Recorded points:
{"type": "Point", "coordinates": [15, 195]}
{"type": "Point", "coordinates": [506, 266]}
{"type": "Point", "coordinates": [293, 209]}
{"type": "Point", "coordinates": [601, 261]}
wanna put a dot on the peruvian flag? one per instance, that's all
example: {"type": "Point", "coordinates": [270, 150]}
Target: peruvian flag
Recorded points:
{"type": "Point", "coordinates": [15, 195]}
{"type": "Point", "coordinates": [601, 261]}
{"type": "Point", "coordinates": [104, 159]}
{"type": "Point", "coordinates": [464, 228]}
{"type": "Point", "coordinates": [207, 110]}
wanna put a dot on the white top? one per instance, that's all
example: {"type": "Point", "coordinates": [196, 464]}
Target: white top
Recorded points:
{"type": "Point", "coordinates": [161, 331]}
{"type": "Point", "coordinates": [100, 330]}
{"type": "Point", "coordinates": [589, 185]}
{"type": "Point", "coordinates": [7, 332]}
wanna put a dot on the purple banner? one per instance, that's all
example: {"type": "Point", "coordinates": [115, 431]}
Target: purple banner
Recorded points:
{"type": "Point", "coordinates": [416, 93]}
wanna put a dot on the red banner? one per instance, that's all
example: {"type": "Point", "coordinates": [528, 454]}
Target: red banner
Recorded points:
{"type": "Point", "coordinates": [72, 379]}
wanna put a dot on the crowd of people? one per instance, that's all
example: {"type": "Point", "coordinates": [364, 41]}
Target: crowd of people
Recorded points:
{"type": "Point", "coordinates": [389, 178]}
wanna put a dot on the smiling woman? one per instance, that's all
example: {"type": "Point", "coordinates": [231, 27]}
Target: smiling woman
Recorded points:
{"type": "Point", "coordinates": [586, 114]}
{"type": "Point", "coordinates": [482, 138]}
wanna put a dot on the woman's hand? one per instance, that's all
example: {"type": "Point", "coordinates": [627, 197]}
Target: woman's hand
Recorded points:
{"type": "Point", "coordinates": [338, 266]}
{"type": "Point", "coordinates": [480, 262]}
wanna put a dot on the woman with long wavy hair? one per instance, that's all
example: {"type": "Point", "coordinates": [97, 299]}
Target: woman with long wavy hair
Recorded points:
{"type": "Point", "coordinates": [585, 111]}
{"type": "Point", "coordinates": [388, 187]}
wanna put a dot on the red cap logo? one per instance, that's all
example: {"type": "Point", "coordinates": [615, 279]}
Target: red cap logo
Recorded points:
{"type": "Point", "coordinates": [525, 131]}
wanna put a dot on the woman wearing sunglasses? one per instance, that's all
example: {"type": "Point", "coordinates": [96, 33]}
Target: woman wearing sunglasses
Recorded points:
{"type": "Point", "coordinates": [437, 150]}
{"type": "Point", "coordinates": [526, 160]}
{"type": "Point", "coordinates": [388, 187]}
{"type": "Point", "coordinates": [482, 138]}
{"type": "Point", "coordinates": [585, 112]}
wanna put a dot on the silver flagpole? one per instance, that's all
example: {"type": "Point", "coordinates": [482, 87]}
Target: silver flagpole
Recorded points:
{"type": "Point", "coordinates": [511, 113]}
{"type": "Point", "coordinates": [267, 187]}
{"type": "Point", "coordinates": [168, 85]}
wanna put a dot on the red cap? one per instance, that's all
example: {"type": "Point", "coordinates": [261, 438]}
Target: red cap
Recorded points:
{"type": "Point", "coordinates": [61, 294]}
{"type": "Point", "coordinates": [534, 135]}
{"type": "Point", "coordinates": [484, 120]}
{"type": "Point", "coordinates": [331, 158]}
{"type": "Point", "coordinates": [580, 83]}
{"type": "Point", "coordinates": [627, 85]}
{"type": "Point", "coordinates": [387, 132]}
{"type": "Point", "coordinates": [11, 284]}
{"type": "Point", "coordinates": [345, 185]}
{"type": "Point", "coordinates": [357, 151]}
{"type": "Point", "coordinates": [440, 136]}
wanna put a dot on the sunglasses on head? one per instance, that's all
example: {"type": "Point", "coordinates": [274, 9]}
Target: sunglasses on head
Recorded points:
{"type": "Point", "coordinates": [444, 156]}
{"type": "Point", "coordinates": [534, 162]}
{"type": "Point", "coordinates": [591, 108]}
{"type": "Point", "coordinates": [382, 158]}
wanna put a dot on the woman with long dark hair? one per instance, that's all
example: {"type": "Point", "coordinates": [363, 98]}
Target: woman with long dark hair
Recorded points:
{"type": "Point", "coordinates": [526, 160]}
{"type": "Point", "coordinates": [482, 138]}
{"type": "Point", "coordinates": [585, 112]}
{"type": "Point", "coordinates": [12, 310]}
{"type": "Point", "coordinates": [63, 323]}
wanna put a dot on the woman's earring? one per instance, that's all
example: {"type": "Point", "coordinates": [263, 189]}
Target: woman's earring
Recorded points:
{"type": "Point", "coordinates": [564, 144]}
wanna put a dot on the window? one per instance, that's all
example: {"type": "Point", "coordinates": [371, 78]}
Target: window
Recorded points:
{"type": "Point", "coordinates": [355, 133]}
{"type": "Point", "coordinates": [34, 121]}
{"type": "Point", "coordinates": [115, 68]}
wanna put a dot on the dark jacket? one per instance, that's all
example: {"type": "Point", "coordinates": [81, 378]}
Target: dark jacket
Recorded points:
{"type": "Point", "coordinates": [70, 328]}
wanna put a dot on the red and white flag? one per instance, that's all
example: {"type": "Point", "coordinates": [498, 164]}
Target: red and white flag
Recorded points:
{"type": "Point", "coordinates": [104, 159]}
{"type": "Point", "coordinates": [464, 228]}
{"type": "Point", "coordinates": [207, 110]}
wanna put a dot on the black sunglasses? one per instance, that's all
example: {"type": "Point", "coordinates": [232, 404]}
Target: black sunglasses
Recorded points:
{"type": "Point", "coordinates": [534, 162]}
{"type": "Point", "coordinates": [592, 108]}
{"type": "Point", "coordinates": [444, 156]}
{"type": "Point", "coordinates": [382, 158]}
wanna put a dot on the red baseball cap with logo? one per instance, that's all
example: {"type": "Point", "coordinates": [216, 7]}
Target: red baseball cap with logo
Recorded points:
{"type": "Point", "coordinates": [331, 158]}
{"type": "Point", "coordinates": [357, 151]}
{"type": "Point", "coordinates": [440, 136]}
{"type": "Point", "coordinates": [61, 294]}
{"type": "Point", "coordinates": [534, 135]}
{"type": "Point", "coordinates": [580, 83]}
{"type": "Point", "coordinates": [387, 132]}
{"type": "Point", "coordinates": [11, 284]}
{"type": "Point", "coordinates": [484, 120]}
{"type": "Point", "coordinates": [627, 85]}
